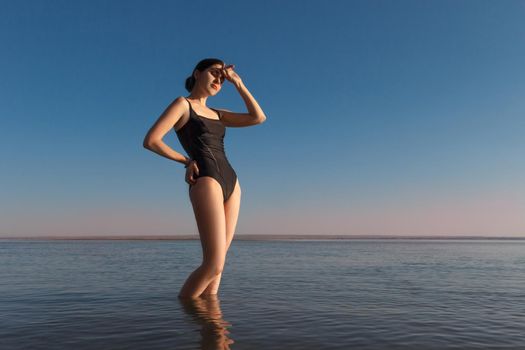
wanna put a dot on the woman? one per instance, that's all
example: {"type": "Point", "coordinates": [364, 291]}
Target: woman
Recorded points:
{"type": "Point", "coordinates": [214, 189]}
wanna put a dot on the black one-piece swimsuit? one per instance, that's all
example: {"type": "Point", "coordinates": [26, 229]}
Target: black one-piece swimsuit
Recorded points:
{"type": "Point", "coordinates": [203, 140]}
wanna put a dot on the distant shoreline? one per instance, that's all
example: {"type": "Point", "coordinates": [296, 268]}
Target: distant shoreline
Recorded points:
{"type": "Point", "coordinates": [263, 237]}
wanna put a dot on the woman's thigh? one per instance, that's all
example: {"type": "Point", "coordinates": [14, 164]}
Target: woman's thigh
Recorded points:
{"type": "Point", "coordinates": [207, 201]}
{"type": "Point", "coordinates": [231, 213]}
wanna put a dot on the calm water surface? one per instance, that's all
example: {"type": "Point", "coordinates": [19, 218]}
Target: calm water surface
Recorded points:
{"type": "Point", "coordinates": [359, 294]}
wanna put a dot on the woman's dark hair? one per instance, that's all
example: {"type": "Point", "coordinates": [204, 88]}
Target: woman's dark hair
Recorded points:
{"type": "Point", "coordinates": [201, 66]}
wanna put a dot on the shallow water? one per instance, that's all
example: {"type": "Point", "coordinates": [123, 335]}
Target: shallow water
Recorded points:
{"type": "Point", "coordinates": [357, 294]}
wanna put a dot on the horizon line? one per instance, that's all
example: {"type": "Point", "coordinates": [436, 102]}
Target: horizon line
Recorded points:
{"type": "Point", "coordinates": [251, 237]}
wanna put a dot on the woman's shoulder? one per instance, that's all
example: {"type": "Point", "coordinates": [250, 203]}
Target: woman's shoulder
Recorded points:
{"type": "Point", "coordinates": [180, 99]}
{"type": "Point", "coordinates": [180, 103]}
{"type": "Point", "coordinates": [177, 108]}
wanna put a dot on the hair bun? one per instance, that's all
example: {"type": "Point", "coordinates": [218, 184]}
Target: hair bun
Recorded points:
{"type": "Point", "coordinates": [190, 81]}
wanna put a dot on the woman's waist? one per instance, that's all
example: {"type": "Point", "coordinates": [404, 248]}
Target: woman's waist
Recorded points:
{"type": "Point", "coordinates": [207, 161]}
{"type": "Point", "coordinates": [209, 154]}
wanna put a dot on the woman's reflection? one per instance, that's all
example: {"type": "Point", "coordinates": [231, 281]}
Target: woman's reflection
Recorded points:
{"type": "Point", "coordinates": [206, 310]}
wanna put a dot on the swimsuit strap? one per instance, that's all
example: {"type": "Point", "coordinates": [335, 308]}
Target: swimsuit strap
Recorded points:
{"type": "Point", "coordinates": [216, 111]}
{"type": "Point", "coordinates": [188, 103]}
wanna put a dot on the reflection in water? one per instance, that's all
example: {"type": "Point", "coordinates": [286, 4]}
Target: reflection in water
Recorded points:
{"type": "Point", "coordinates": [206, 311]}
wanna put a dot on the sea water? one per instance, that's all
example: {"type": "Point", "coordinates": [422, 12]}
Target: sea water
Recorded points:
{"type": "Point", "coordinates": [341, 294]}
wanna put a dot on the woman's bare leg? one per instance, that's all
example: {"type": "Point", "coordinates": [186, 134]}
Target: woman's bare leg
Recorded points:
{"type": "Point", "coordinates": [208, 207]}
{"type": "Point", "coordinates": [231, 213]}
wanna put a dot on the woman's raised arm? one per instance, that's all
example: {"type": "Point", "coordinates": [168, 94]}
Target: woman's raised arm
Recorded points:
{"type": "Point", "coordinates": [255, 113]}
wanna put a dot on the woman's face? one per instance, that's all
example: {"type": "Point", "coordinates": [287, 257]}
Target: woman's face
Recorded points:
{"type": "Point", "coordinates": [212, 79]}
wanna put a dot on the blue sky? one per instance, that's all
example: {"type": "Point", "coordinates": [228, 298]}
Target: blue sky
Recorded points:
{"type": "Point", "coordinates": [384, 117]}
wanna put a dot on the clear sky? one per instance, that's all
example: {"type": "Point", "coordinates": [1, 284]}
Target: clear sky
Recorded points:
{"type": "Point", "coordinates": [383, 117]}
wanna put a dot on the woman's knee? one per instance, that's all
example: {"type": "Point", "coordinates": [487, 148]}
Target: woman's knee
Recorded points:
{"type": "Point", "coordinates": [213, 267]}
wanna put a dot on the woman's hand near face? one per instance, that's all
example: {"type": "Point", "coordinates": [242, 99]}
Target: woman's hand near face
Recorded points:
{"type": "Point", "coordinates": [231, 75]}
{"type": "Point", "coordinates": [191, 171]}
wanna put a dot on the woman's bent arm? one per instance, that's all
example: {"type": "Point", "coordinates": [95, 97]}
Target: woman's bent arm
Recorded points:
{"type": "Point", "coordinates": [253, 107]}
{"type": "Point", "coordinates": [255, 113]}
{"type": "Point", "coordinates": [153, 139]}
{"type": "Point", "coordinates": [164, 150]}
